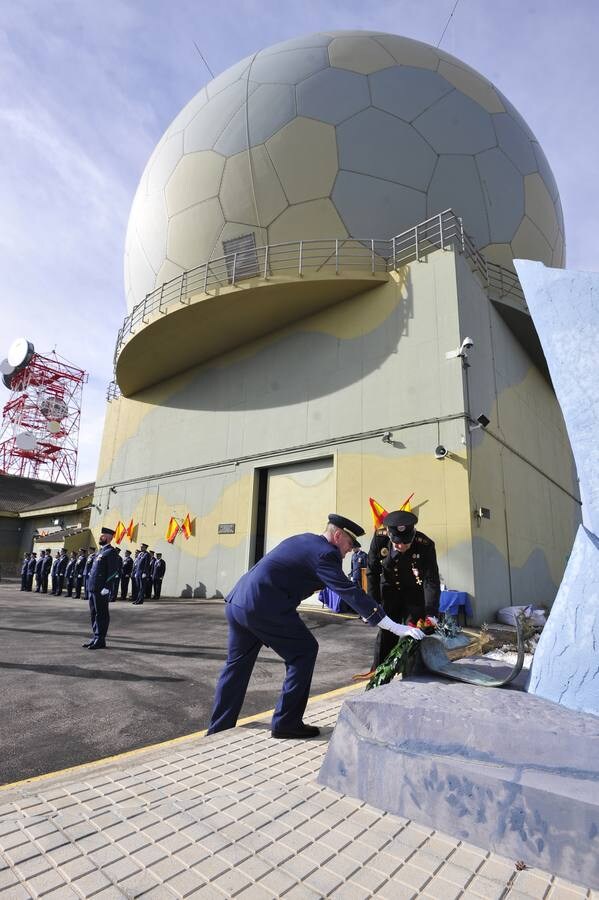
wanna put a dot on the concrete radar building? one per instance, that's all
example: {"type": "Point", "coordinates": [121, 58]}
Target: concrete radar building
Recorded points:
{"type": "Point", "coordinates": [312, 241]}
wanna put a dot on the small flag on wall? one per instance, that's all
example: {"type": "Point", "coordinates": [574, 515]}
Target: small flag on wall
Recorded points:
{"type": "Point", "coordinates": [130, 530]}
{"type": "Point", "coordinates": [120, 532]}
{"type": "Point", "coordinates": [186, 527]}
{"type": "Point", "coordinates": [172, 530]}
{"type": "Point", "coordinates": [378, 513]}
{"type": "Point", "coordinates": [406, 506]}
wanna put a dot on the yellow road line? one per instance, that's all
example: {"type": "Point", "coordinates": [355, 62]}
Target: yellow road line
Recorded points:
{"type": "Point", "coordinates": [171, 742]}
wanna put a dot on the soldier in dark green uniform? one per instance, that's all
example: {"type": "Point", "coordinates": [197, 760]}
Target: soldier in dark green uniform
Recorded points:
{"type": "Point", "coordinates": [402, 575]}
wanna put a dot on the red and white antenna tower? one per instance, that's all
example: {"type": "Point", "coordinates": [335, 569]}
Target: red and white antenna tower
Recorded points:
{"type": "Point", "coordinates": [39, 433]}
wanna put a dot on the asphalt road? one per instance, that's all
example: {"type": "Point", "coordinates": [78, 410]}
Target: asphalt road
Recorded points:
{"type": "Point", "coordinates": [63, 705]}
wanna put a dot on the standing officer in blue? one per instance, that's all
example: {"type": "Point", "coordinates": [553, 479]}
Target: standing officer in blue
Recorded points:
{"type": "Point", "coordinates": [47, 565]}
{"type": "Point", "coordinates": [103, 572]}
{"type": "Point", "coordinates": [114, 587]}
{"type": "Point", "coordinates": [141, 574]}
{"type": "Point", "coordinates": [157, 575]}
{"type": "Point", "coordinates": [126, 574]}
{"type": "Point", "coordinates": [31, 570]}
{"type": "Point", "coordinates": [262, 611]}
{"type": "Point", "coordinates": [88, 567]}
{"type": "Point", "coordinates": [79, 571]}
{"type": "Point", "coordinates": [70, 572]}
{"type": "Point", "coordinates": [24, 568]}
{"type": "Point", "coordinates": [38, 572]}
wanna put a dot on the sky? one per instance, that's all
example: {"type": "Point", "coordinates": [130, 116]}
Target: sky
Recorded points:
{"type": "Point", "coordinates": [89, 87]}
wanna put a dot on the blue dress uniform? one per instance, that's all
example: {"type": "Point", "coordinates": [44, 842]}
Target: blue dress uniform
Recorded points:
{"type": "Point", "coordinates": [47, 565]}
{"type": "Point", "coordinates": [38, 574]}
{"type": "Point", "coordinates": [103, 572]}
{"type": "Point", "coordinates": [141, 574]}
{"type": "Point", "coordinates": [114, 585]}
{"type": "Point", "coordinates": [157, 576]}
{"type": "Point", "coordinates": [126, 574]}
{"type": "Point", "coordinates": [61, 569]}
{"type": "Point", "coordinates": [31, 571]}
{"type": "Point", "coordinates": [79, 572]}
{"type": "Point", "coordinates": [54, 573]}
{"type": "Point", "coordinates": [262, 610]}
{"type": "Point", "coordinates": [359, 561]}
{"type": "Point", "coordinates": [88, 567]}
{"type": "Point", "coordinates": [24, 568]}
{"type": "Point", "coordinates": [70, 573]}
{"type": "Point", "coordinates": [406, 583]}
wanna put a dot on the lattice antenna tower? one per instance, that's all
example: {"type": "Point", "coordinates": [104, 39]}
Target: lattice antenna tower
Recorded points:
{"type": "Point", "coordinates": [39, 432]}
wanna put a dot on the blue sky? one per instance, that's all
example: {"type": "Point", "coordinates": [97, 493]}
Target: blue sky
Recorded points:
{"type": "Point", "coordinates": [88, 88]}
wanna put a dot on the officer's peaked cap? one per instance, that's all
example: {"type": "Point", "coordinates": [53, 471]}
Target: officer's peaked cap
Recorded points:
{"type": "Point", "coordinates": [350, 528]}
{"type": "Point", "coordinates": [144, 546]}
{"type": "Point", "coordinates": [400, 526]}
{"type": "Point", "coordinates": [106, 530]}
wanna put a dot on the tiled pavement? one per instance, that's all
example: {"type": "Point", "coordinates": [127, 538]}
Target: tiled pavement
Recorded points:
{"type": "Point", "coordinates": [235, 815]}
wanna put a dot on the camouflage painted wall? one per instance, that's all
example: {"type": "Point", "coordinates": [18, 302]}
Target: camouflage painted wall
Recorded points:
{"type": "Point", "coordinates": [329, 386]}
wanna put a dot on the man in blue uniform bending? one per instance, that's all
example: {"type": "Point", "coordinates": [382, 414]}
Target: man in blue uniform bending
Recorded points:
{"type": "Point", "coordinates": [262, 611]}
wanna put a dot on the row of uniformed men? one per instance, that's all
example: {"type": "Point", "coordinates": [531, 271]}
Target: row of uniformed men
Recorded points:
{"type": "Point", "coordinates": [145, 572]}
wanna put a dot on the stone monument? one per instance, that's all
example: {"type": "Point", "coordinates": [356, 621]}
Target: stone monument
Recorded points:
{"type": "Point", "coordinates": [515, 772]}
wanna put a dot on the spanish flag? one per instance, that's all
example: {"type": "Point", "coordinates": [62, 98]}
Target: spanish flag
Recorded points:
{"type": "Point", "coordinates": [120, 532]}
{"type": "Point", "coordinates": [406, 506]}
{"type": "Point", "coordinates": [130, 528]}
{"type": "Point", "coordinates": [378, 513]}
{"type": "Point", "coordinates": [186, 527]}
{"type": "Point", "coordinates": [172, 530]}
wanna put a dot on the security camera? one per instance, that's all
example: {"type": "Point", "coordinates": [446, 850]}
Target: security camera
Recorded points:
{"type": "Point", "coordinates": [461, 352]}
{"type": "Point", "coordinates": [387, 437]}
{"type": "Point", "coordinates": [482, 421]}
{"type": "Point", "coordinates": [440, 452]}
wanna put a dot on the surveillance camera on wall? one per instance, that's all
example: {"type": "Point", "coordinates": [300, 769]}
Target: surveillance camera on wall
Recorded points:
{"type": "Point", "coordinates": [387, 437]}
{"type": "Point", "coordinates": [482, 421]}
{"type": "Point", "coordinates": [440, 452]}
{"type": "Point", "coordinates": [462, 351]}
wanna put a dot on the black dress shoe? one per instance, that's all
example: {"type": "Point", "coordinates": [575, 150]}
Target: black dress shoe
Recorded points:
{"type": "Point", "coordinates": [88, 644]}
{"type": "Point", "coordinates": [137, 602]}
{"type": "Point", "coordinates": [97, 646]}
{"type": "Point", "coordinates": [300, 731]}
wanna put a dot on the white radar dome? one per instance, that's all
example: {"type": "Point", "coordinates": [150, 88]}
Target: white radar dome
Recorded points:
{"type": "Point", "coordinates": [340, 134]}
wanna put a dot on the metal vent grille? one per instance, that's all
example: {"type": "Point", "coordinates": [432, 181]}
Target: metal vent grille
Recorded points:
{"type": "Point", "coordinates": [240, 257]}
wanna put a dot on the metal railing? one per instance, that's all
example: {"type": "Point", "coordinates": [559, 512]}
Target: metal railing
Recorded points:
{"type": "Point", "coordinates": [339, 255]}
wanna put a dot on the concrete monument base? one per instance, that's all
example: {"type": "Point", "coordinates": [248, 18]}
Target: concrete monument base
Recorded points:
{"type": "Point", "coordinates": [505, 770]}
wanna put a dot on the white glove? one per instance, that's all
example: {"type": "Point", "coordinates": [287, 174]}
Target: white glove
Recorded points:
{"type": "Point", "coordinates": [433, 620]}
{"type": "Point", "coordinates": [104, 592]}
{"type": "Point", "coordinates": [401, 630]}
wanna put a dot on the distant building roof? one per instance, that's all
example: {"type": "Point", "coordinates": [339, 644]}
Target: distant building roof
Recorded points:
{"type": "Point", "coordinates": [52, 536]}
{"type": "Point", "coordinates": [17, 494]}
{"type": "Point", "coordinates": [67, 497]}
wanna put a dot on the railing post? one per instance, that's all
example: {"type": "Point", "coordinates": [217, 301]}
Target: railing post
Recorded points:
{"type": "Point", "coordinates": [181, 291]}
{"type": "Point", "coordinates": [205, 278]}
{"type": "Point", "coordinates": [441, 231]}
{"type": "Point", "coordinates": [143, 311]}
{"type": "Point", "coordinates": [336, 256]}
{"type": "Point", "coordinates": [266, 262]}
{"type": "Point", "coordinates": [461, 224]}
{"type": "Point", "coordinates": [301, 258]}
{"type": "Point", "coordinates": [372, 256]}
{"type": "Point", "coordinates": [234, 268]}
{"type": "Point", "coordinates": [416, 244]}
{"type": "Point", "coordinates": [394, 253]}
{"type": "Point", "coordinates": [161, 298]}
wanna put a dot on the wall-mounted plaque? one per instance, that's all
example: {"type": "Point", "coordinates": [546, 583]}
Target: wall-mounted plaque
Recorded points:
{"type": "Point", "coordinates": [226, 528]}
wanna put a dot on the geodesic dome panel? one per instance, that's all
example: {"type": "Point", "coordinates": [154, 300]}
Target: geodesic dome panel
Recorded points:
{"type": "Point", "coordinates": [357, 134]}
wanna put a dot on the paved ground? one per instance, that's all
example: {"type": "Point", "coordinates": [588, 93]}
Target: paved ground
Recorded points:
{"type": "Point", "coordinates": [241, 815]}
{"type": "Point", "coordinates": [64, 705]}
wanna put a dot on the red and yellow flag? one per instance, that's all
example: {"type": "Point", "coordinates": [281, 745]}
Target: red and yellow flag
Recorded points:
{"type": "Point", "coordinates": [120, 532]}
{"type": "Point", "coordinates": [172, 530]}
{"type": "Point", "coordinates": [406, 506]}
{"type": "Point", "coordinates": [130, 528]}
{"type": "Point", "coordinates": [378, 513]}
{"type": "Point", "coordinates": [186, 527]}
